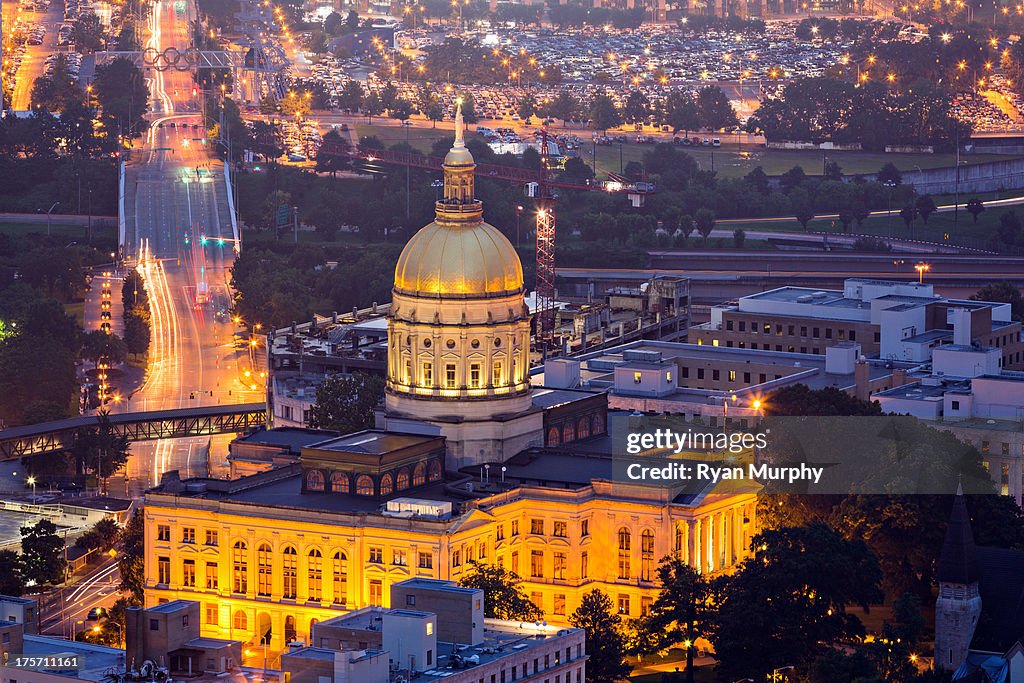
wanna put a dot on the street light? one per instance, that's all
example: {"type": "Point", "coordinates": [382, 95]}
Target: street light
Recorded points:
{"type": "Point", "coordinates": [921, 269]}
{"type": "Point", "coordinates": [776, 672]}
{"type": "Point", "coordinates": [55, 205]}
{"type": "Point", "coordinates": [31, 481]}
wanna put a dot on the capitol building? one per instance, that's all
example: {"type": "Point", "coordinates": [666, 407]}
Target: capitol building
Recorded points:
{"type": "Point", "coordinates": [468, 463]}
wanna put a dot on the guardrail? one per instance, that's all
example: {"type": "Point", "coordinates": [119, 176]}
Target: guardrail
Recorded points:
{"type": "Point", "coordinates": [231, 208]}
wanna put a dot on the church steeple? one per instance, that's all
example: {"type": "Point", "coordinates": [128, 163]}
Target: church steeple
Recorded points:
{"type": "Point", "coordinates": [958, 562]}
{"type": "Point", "coordinates": [958, 605]}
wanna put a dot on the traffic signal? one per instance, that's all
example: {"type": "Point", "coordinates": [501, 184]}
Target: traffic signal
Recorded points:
{"type": "Point", "coordinates": [220, 241]}
{"type": "Point", "coordinates": [203, 240]}
{"type": "Point", "coordinates": [195, 91]}
{"type": "Point", "coordinates": [186, 238]}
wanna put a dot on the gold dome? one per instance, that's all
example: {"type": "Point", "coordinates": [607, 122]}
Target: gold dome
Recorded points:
{"type": "Point", "coordinates": [452, 260]}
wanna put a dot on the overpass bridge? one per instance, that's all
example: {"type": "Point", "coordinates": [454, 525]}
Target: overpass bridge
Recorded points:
{"type": "Point", "coordinates": [50, 437]}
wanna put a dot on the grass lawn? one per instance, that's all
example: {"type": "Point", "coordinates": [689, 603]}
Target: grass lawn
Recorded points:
{"type": "Point", "coordinates": [419, 137]}
{"type": "Point", "coordinates": [100, 231]}
{"type": "Point", "coordinates": [735, 161]}
{"type": "Point", "coordinates": [701, 674]}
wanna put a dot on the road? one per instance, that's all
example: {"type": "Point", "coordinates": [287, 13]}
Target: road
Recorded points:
{"type": "Point", "coordinates": [65, 611]}
{"type": "Point", "coordinates": [183, 242]}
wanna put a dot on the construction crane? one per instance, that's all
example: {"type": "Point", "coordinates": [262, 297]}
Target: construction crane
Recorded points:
{"type": "Point", "coordinates": [538, 184]}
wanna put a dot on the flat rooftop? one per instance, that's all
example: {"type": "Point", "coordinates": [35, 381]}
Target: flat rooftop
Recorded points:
{"type": "Point", "coordinates": [97, 660]}
{"type": "Point", "coordinates": [291, 438]}
{"type": "Point", "coordinates": [547, 397]}
{"type": "Point", "coordinates": [373, 442]}
{"type": "Point", "coordinates": [501, 639]}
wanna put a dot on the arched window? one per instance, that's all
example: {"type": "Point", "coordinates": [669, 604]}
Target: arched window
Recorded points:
{"type": "Point", "coordinates": [387, 485]}
{"type": "Point", "coordinates": [264, 570]}
{"type": "Point", "coordinates": [646, 555]}
{"type": "Point", "coordinates": [316, 575]}
{"type": "Point", "coordinates": [290, 564]}
{"type": "Point", "coordinates": [434, 470]}
{"type": "Point", "coordinates": [289, 629]}
{"type": "Point", "coordinates": [583, 428]}
{"type": "Point", "coordinates": [597, 425]}
{"type": "Point", "coordinates": [554, 437]}
{"type": "Point", "coordinates": [241, 621]}
{"type": "Point", "coordinates": [402, 480]}
{"type": "Point", "coordinates": [314, 480]}
{"type": "Point", "coordinates": [419, 475]}
{"type": "Point", "coordinates": [339, 482]}
{"type": "Point", "coordinates": [312, 623]}
{"type": "Point", "coordinates": [339, 572]}
{"type": "Point", "coordinates": [568, 433]}
{"type": "Point", "coordinates": [624, 553]}
{"type": "Point", "coordinates": [364, 485]}
{"type": "Point", "coordinates": [240, 568]}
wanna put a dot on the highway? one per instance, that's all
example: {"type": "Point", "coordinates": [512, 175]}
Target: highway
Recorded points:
{"type": "Point", "coordinates": [183, 243]}
{"type": "Point", "coordinates": [66, 611]}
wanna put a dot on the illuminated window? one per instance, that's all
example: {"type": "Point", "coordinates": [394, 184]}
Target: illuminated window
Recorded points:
{"type": "Point", "coordinates": [498, 376]}
{"type": "Point", "coordinates": [537, 564]}
{"type": "Point", "coordinates": [241, 622]}
{"type": "Point", "coordinates": [560, 530]}
{"type": "Point", "coordinates": [212, 580]}
{"type": "Point", "coordinates": [568, 433]}
{"type": "Point", "coordinates": [428, 374]}
{"type": "Point", "coordinates": [291, 573]}
{"type": "Point", "coordinates": [339, 577]}
{"type": "Point", "coordinates": [624, 553]}
{"type": "Point", "coordinates": [560, 563]}
{"type": "Point", "coordinates": [240, 568]}
{"type": "Point", "coordinates": [449, 376]}
{"type": "Point", "coordinates": [646, 555]}
{"type": "Point", "coordinates": [559, 608]}
{"type": "Point", "coordinates": [554, 436]}
{"type": "Point", "coordinates": [583, 428]}
{"type": "Point", "coordinates": [623, 603]}
{"type": "Point", "coordinates": [314, 480]}
{"type": "Point", "coordinates": [387, 485]}
{"type": "Point", "coordinates": [364, 485]}
{"type": "Point", "coordinates": [407, 378]}
{"type": "Point", "coordinates": [430, 628]}
{"type": "Point", "coordinates": [316, 575]}
{"type": "Point", "coordinates": [402, 480]}
{"type": "Point", "coordinates": [163, 570]}
{"type": "Point", "coordinates": [638, 377]}
{"type": "Point", "coordinates": [714, 342]}
{"type": "Point", "coordinates": [376, 592]}
{"type": "Point", "coordinates": [264, 570]}
{"type": "Point", "coordinates": [434, 470]}
{"type": "Point", "coordinates": [537, 527]}
{"type": "Point", "coordinates": [339, 482]}
{"type": "Point", "coordinates": [732, 375]}
{"type": "Point", "coordinates": [188, 573]}
{"type": "Point", "coordinates": [474, 375]}
{"type": "Point", "coordinates": [584, 564]}
{"type": "Point", "coordinates": [419, 475]}
{"type": "Point", "coordinates": [668, 376]}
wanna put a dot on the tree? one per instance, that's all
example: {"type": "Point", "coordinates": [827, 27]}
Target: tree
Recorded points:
{"type": "Point", "coordinates": [860, 212]}
{"type": "Point", "coordinates": [97, 345]}
{"type": "Point", "coordinates": [739, 236]}
{"type": "Point", "coordinates": [1008, 230]}
{"type": "Point", "coordinates": [704, 219]}
{"type": "Point", "coordinates": [351, 96]}
{"type": "Point", "coordinates": [577, 168]}
{"type": "Point", "coordinates": [908, 213]}
{"type": "Point", "coordinates": [564, 107]}
{"type": "Point", "coordinates": [975, 207]}
{"type": "Point", "coordinates": [102, 536]}
{"type": "Point", "coordinates": [925, 207]}
{"type": "Point", "coordinates": [503, 597]}
{"type": "Point", "coordinates": [803, 207]}
{"type": "Point", "coordinates": [800, 400]}
{"type": "Point", "coordinates": [889, 174]}
{"type": "Point", "coordinates": [714, 109]}
{"type": "Point", "coordinates": [1005, 292]}
{"type": "Point", "coordinates": [123, 96]}
{"type": "Point", "coordinates": [42, 553]}
{"type": "Point", "coordinates": [372, 105]}
{"type": "Point", "coordinates": [137, 334]}
{"type": "Point", "coordinates": [605, 642]}
{"type": "Point", "coordinates": [603, 112]}
{"type": "Point", "coordinates": [793, 178]}
{"type": "Point", "coordinates": [833, 171]}
{"type": "Point", "coordinates": [682, 612]}
{"type": "Point", "coordinates": [527, 107]}
{"type": "Point", "coordinates": [130, 562]}
{"type": "Point", "coordinates": [637, 108]}
{"type": "Point", "coordinates": [389, 94]}
{"type": "Point", "coordinates": [333, 24]}
{"type": "Point", "coordinates": [786, 605]}
{"type": "Point", "coordinates": [87, 34]}
{"type": "Point", "coordinates": [846, 217]}
{"type": "Point", "coordinates": [400, 109]}
{"type": "Point", "coordinates": [679, 112]}
{"type": "Point", "coordinates": [346, 404]}
{"type": "Point", "coordinates": [100, 449]}
{"type": "Point", "coordinates": [468, 108]}
{"type": "Point", "coordinates": [11, 580]}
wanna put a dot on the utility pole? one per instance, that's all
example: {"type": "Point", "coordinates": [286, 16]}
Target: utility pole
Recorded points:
{"type": "Point", "coordinates": [296, 222]}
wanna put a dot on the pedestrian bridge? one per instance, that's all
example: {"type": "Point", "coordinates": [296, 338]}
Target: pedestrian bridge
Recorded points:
{"type": "Point", "coordinates": [49, 437]}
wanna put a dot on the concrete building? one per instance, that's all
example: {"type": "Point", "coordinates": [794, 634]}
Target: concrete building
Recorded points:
{"type": "Point", "coordinates": [378, 645]}
{"type": "Point", "coordinates": [903, 321]}
{"type": "Point", "coordinates": [24, 611]}
{"type": "Point", "coordinates": [73, 661]}
{"type": "Point", "coordinates": [168, 634]}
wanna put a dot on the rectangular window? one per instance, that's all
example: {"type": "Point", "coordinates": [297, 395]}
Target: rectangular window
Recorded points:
{"type": "Point", "coordinates": [211, 575]}
{"type": "Point", "coordinates": [537, 564]}
{"type": "Point", "coordinates": [537, 527]}
{"type": "Point", "coordinates": [499, 533]}
{"type": "Point", "coordinates": [700, 373]}
{"type": "Point", "coordinates": [498, 376]}
{"type": "Point", "coordinates": [767, 329]}
{"type": "Point", "coordinates": [584, 564]}
{"type": "Point", "coordinates": [188, 573]}
{"type": "Point", "coordinates": [163, 532]}
{"type": "Point", "coordinates": [828, 333]}
{"type": "Point", "coordinates": [426, 561]}
{"type": "Point", "coordinates": [212, 615]}
{"type": "Point", "coordinates": [560, 564]}
{"type": "Point", "coordinates": [789, 330]}
{"type": "Point", "coordinates": [853, 335]}
{"type": "Point", "coordinates": [514, 562]}
{"type": "Point", "coordinates": [428, 374]}
{"type": "Point", "coordinates": [188, 534]}
{"type": "Point", "coordinates": [715, 375]}
{"type": "Point", "coordinates": [515, 527]}
{"type": "Point", "coordinates": [743, 326]}
{"type": "Point", "coordinates": [449, 376]}
{"type": "Point", "coordinates": [398, 557]}
{"type": "Point", "coordinates": [559, 608]}
{"type": "Point", "coordinates": [728, 325]}
{"type": "Point", "coordinates": [815, 332]}
{"type": "Point", "coordinates": [732, 375]}
{"type": "Point", "coordinates": [537, 598]}
{"type": "Point", "coordinates": [638, 377]}
{"type": "Point", "coordinates": [474, 375]}
{"type": "Point", "coordinates": [211, 537]}
{"type": "Point", "coordinates": [376, 554]}
{"type": "Point", "coordinates": [623, 603]}
{"type": "Point", "coordinates": [560, 530]}
{"type": "Point", "coordinates": [584, 527]}
{"type": "Point", "coordinates": [803, 330]}
{"type": "Point", "coordinates": [955, 405]}
{"type": "Point", "coordinates": [163, 570]}
{"type": "Point", "coordinates": [746, 378]}
{"type": "Point", "coordinates": [376, 592]}
{"type": "Point", "coordinates": [407, 375]}
{"type": "Point", "coordinates": [645, 606]}
{"type": "Point", "coordinates": [456, 558]}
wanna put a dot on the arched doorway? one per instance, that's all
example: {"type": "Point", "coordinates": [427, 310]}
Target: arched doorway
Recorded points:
{"type": "Point", "coordinates": [264, 630]}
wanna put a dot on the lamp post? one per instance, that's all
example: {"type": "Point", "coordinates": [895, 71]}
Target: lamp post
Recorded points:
{"type": "Point", "coordinates": [55, 205]}
{"type": "Point", "coordinates": [921, 269]}
{"type": "Point", "coordinates": [31, 481]}
{"type": "Point", "coordinates": [519, 212]}
{"type": "Point", "coordinates": [776, 672]}
{"type": "Point", "coordinates": [888, 214]}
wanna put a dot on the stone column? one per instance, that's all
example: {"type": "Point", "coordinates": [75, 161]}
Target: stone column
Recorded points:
{"type": "Point", "coordinates": [697, 546]}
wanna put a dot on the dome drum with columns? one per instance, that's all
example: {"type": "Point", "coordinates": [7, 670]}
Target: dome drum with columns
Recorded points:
{"type": "Point", "coordinates": [458, 327]}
